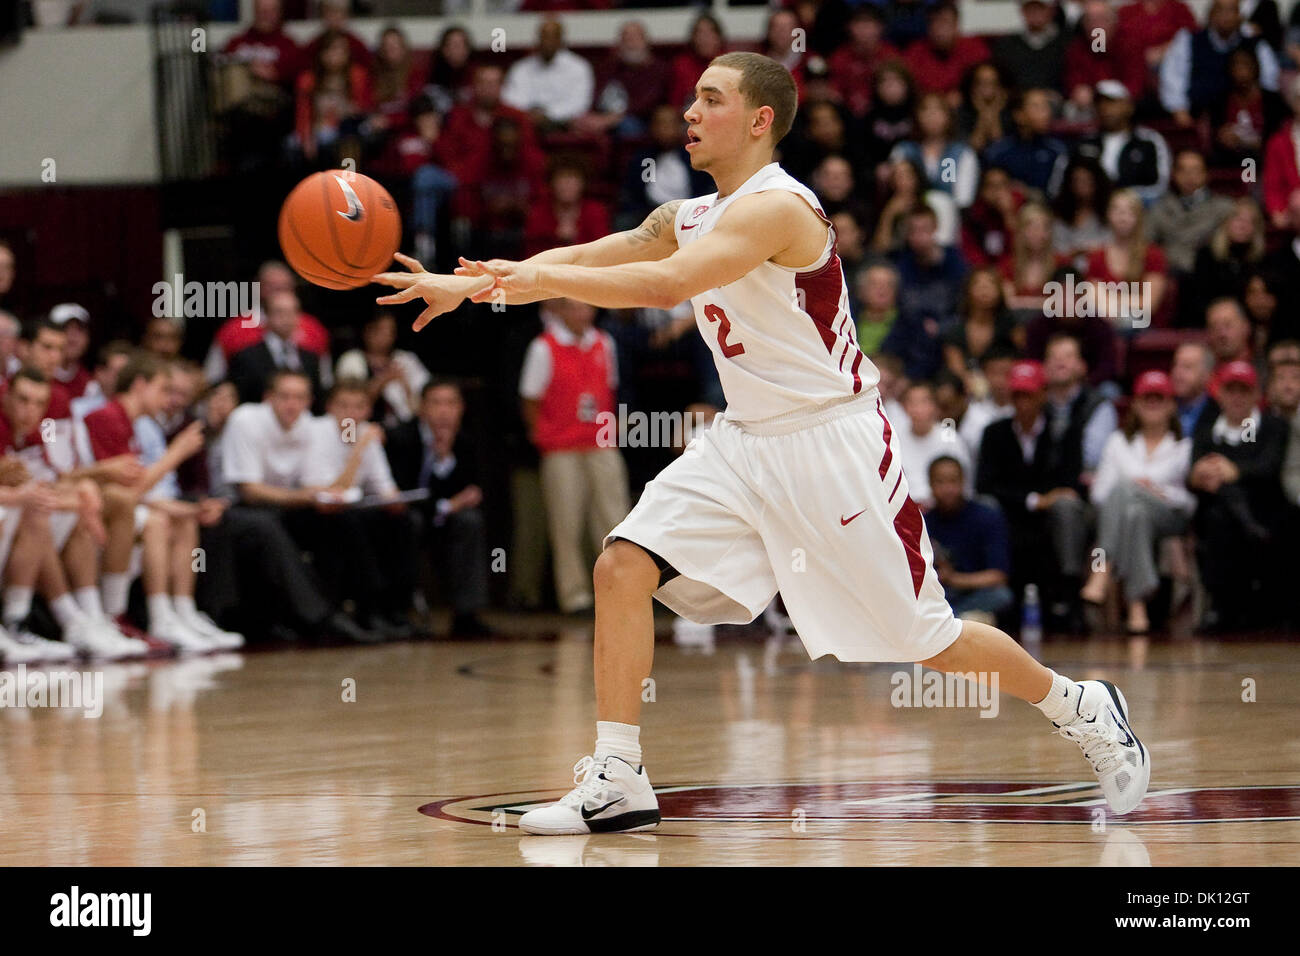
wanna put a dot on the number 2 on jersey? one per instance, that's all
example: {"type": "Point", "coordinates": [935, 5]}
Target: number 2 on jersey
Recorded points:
{"type": "Point", "coordinates": [715, 314]}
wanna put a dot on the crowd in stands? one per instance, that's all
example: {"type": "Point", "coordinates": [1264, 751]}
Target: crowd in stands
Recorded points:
{"type": "Point", "coordinates": [1073, 253]}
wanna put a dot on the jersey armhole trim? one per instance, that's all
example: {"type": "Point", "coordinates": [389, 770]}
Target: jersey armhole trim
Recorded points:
{"type": "Point", "coordinates": [827, 256]}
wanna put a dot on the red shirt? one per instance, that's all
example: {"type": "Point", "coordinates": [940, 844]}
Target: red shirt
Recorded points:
{"type": "Point", "coordinates": [1146, 29]}
{"type": "Point", "coordinates": [239, 333]}
{"type": "Point", "coordinates": [935, 73]}
{"type": "Point", "coordinates": [111, 432]}
{"type": "Point", "coordinates": [275, 48]}
{"type": "Point", "coordinates": [540, 232]}
{"type": "Point", "coordinates": [1281, 174]}
{"type": "Point", "coordinates": [853, 73]}
{"type": "Point", "coordinates": [1099, 271]}
{"type": "Point", "coordinates": [60, 404]}
{"type": "Point", "coordinates": [578, 391]}
{"type": "Point", "coordinates": [474, 140]}
{"type": "Point", "coordinates": [1121, 61]}
{"type": "Point", "coordinates": [76, 383]}
{"type": "Point", "coordinates": [7, 442]}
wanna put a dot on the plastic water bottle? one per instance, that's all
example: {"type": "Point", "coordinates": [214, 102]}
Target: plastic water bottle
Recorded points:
{"type": "Point", "coordinates": [1031, 617]}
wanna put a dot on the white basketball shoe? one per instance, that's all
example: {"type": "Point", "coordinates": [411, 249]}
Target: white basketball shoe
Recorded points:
{"type": "Point", "coordinates": [611, 796]}
{"type": "Point", "coordinates": [1101, 729]}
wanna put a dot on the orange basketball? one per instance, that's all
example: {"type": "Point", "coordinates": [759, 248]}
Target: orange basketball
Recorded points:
{"type": "Point", "coordinates": [339, 228]}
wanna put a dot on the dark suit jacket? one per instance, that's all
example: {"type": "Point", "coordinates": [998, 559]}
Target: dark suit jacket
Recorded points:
{"type": "Point", "coordinates": [406, 457]}
{"type": "Point", "coordinates": [1259, 461]}
{"type": "Point", "coordinates": [1003, 473]}
{"type": "Point", "coordinates": [251, 370]}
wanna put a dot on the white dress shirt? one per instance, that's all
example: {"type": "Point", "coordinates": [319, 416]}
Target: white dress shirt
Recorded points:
{"type": "Point", "coordinates": [330, 453]}
{"type": "Point", "coordinates": [1126, 459]}
{"type": "Point", "coordinates": [256, 449]}
{"type": "Point", "coordinates": [563, 88]}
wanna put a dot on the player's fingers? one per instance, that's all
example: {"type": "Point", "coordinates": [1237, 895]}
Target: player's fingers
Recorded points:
{"type": "Point", "coordinates": [398, 280]}
{"type": "Point", "coordinates": [397, 298]}
{"type": "Point", "coordinates": [409, 261]}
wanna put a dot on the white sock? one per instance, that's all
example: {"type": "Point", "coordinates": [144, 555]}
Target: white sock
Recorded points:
{"type": "Point", "coordinates": [618, 740]}
{"type": "Point", "coordinates": [18, 604]}
{"type": "Point", "coordinates": [88, 598]}
{"type": "Point", "coordinates": [1062, 700]}
{"type": "Point", "coordinates": [160, 609]}
{"type": "Point", "coordinates": [185, 607]}
{"type": "Point", "coordinates": [66, 609]}
{"type": "Point", "coordinates": [115, 588]}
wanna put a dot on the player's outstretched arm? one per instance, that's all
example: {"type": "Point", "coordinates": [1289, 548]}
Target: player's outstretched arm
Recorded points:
{"type": "Point", "coordinates": [757, 228]}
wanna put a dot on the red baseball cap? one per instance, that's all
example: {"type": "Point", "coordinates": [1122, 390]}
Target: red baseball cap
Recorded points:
{"type": "Point", "coordinates": [1238, 373]}
{"type": "Point", "coordinates": [1154, 382]}
{"type": "Point", "coordinates": [1027, 376]}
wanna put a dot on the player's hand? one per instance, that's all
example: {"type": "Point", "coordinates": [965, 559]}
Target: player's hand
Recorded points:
{"type": "Point", "coordinates": [189, 440]}
{"type": "Point", "coordinates": [519, 277]}
{"type": "Point", "coordinates": [39, 497]}
{"type": "Point", "coordinates": [442, 293]}
{"type": "Point", "coordinates": [13, 471]}
{"type": "Point", "coordinates": [122, 469]}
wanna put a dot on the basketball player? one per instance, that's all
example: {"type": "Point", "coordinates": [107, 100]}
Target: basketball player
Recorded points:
{"type": "Point", "coordinates": [796, 487]}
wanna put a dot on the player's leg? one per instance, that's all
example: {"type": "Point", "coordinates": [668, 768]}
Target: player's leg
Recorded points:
{"type": "Point", "coordinates": [183, 532]}
{"type": "Point", "coordinates": [119, 523]}
{"type": "Point", "coordinates": [31, 545]}
{"type": "Point", "coordinates": [89, 631]}
{"type": "Point", "coordinates": [984, 649]}
{"type": "Point", "coordinates": [156, 561]}
{"type": "Point", "coordinates": [625, 578]}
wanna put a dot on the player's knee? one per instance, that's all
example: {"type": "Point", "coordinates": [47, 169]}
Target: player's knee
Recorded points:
{"type": "Point", "coordinates": [624, 566]}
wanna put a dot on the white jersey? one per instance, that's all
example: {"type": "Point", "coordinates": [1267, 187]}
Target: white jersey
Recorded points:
{"type": "Point", "coordinates": [783, 339]}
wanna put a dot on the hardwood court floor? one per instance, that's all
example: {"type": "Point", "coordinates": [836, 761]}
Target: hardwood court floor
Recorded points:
{"type": "Point", "coordinates": [763, 757]}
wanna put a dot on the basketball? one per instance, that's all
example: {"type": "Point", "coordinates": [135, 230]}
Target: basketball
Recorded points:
{"type": "Point", "coordinates": [339, 228]}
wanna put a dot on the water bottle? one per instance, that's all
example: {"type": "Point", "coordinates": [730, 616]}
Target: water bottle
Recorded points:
{"type": "Point", "coordinates": [1031, 617]}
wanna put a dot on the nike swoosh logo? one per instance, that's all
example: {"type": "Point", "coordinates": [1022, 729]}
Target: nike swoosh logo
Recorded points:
{"type": "Point", "coordinates": [355, 212]}
{"type": "Point", "coordinates": [1120, 723]}
{"type": "Point", "coordinates": [844, 521]}
{"type": "Point", "coordinates": [690, 227]}
{"type": "Point", "coordinates": [587, 815]}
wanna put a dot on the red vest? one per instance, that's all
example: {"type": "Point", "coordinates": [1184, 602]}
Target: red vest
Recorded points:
{"type": "Point", "coordinates": [578, 390]}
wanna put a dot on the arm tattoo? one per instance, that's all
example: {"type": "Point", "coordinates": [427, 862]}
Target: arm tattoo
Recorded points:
{"type": "Point", "coordinates": [655, 224]}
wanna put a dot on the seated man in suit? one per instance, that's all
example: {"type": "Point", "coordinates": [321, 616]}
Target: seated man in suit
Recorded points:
{"type": "Point", "coordinates": [1236, 474]}
{"type": "Point", "coordinates": [1034, 472]}
{"type": "Point", "coordinates": [251, 368]}
{"type": "Point", "coordinates": [426, 453]}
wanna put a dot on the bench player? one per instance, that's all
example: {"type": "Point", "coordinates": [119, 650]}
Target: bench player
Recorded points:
{"type": "Point", "coordinates": [802, 462]}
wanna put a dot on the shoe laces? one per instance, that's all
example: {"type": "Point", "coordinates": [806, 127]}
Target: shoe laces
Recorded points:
{"type": "Point", "coordinates": [1098, 742]}
{"type": "Point", "coordinates": [587, 780]}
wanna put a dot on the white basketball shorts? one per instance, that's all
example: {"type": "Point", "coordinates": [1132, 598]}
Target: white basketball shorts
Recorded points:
{"type": "Point", "coordinates": [9, 520]}
{"type": "Point", "coordinates": [815, 506]}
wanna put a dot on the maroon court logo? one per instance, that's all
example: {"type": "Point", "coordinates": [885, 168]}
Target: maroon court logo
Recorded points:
{"type": "Point", "coordinates": [919, 801]}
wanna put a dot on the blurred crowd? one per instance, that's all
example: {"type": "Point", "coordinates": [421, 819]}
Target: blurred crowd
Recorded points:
{"type": "Point", "coordinates": [1073, 253]}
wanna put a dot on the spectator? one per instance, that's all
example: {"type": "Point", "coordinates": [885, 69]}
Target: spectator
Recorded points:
{"type": "Point", "coordinates": [930, 283]}
{"type": "Point", "coordinates": [429, 452]}
{"type": "Point", "coordinates": [42, 346]}
{"type": "Point", "coordinates": [850, 241]}
{"type": "Point", "coordinates": [891, 384]}
{"type": "Point", "coordinates": [504, 193]}
{"type": "Point", "coordinates": [706, 42]}
{"type": "Point", "coordinates": [1190, 376]}
{"type": "Point", "coordinates": [8, 271]}
{"type": "Point", "coordinates": [1031, 154]}
{"type": "Point", "coordinates": [1034, 473]}
{"type": "Point", "coordinates": [1280, 176]}
{"type": "Point", "coordinates": [1186, 217]}
{"type": "Point", "coordinates": [1072, 406]}
{"type": "Point", "coordinates": [333, 98]}
{"type": "Point", "coordinates": [1150, 26]}
{"type": "Point", "coordinates": [921, 439]}
{"type": "Point", "coordinates": [1233, 252]}
{"type": "Point", "coordinates": [1033, 263]}
{"type": "Point", "coordinates": [451, 73]}
{"type": "Point", "coordinates": [395, 82]}
{"type": "Point", "coordinates": [950, 165]}
{"type": "Point", "coordinates": [630, 84]}
{"type": "Point", "coordinates": [10, 330]}
{"type": "Point", "coordinates": [432, 161]}
{"type": "Point", "coordinates": [989, 224]}
{"type": "Point", "coordinates": [1098, 51]}
{"type": "Point", "coordinates": [1244, 119]}
{"type": "Point", "coordinates": [1283, 393]}
{"type": "Point", "coordinates": [469, 126]}
{"type": "Point", "coordinates": [1283, 263]}
{"type": "Point", "coordinates": [991, 396]}
{"type": "Point", "coordinates": [554, 85]}
{"type": "Point", "coordinates": [1080, 207]}
{"type": "Point", "coordinates": [239, 332]}
{"type": "Point", "coordinates": [1036, 55]}
{"type": "Point", "coordinates": [673, 176]}
{"type": "Point", "coordinates": [853, 65]}
{"type": "Point", "coordinates": [984, 116]}
{"type": "Point", "coordinates": [889, 121]}
{"type": "Point", "coordinates": [1133, 157]}
{"type": "Point", "coordinates": [163, 337]}
{"type": "Point", "coordinates": [876, 309]}
{"type": "Point", "coordinates": [264, 63]}
{"type": "Point", "coordinates": [265, 453]}
{"type": "Point", "coordinates": [1194, 70]}
{"type": "Point", "coordinates": [1270, 322]}
{"type": "Point", "coordinates": [1263, 20]}
{"type": "Point", "coordinates": [370, 552]}
{"type": "Point", "coordinates": [1127, 257]}
{"type": "Point", "coordinates": [252, 368]}
{"type": "Point", "coordinates": [972, 555]}
{"type": "Point", "coordinates": [908, 190]}
{"type": "Point", "coordinates": [1141, 497]}
{"type": "Point", "coordinates": [779, 44]}
{"type": "Point", "coordinates": [822, 132]}
{"type": "Point", "coordinates": [72, 373]}
{"type": "Point", "coordinates": [984, 323]}
{"type": "Point", "coordinates": [942, 57]}
{"type": "Point", "coordinates": [905, 20]}
{"type": "Point", "coordinates": [394, 378]}
{"type": "Point", "coordinates": [565, 217]}
{"type": "Point", "coordinates": [835, 185]}
{"type": "Point", "coordinates": [334, 19]}
{"type": "Point", "coordinates": [568, 381]}
{"type": "Point", "coordinates": [1093, 333]}
{"type": "Point", "coordinates": [1236, 475]}
{"type": "Point", "coordinates": [1228, 332]}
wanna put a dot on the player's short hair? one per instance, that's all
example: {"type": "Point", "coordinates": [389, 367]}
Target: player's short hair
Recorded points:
{"type": "Point", "coordinates": [31, 374]}
{"type": "Point", "coordinates": [140, 364]}
{"type": "Point", "coordinates": [347, 385]}
{"type": "Point", "coordinates": [110, 349]}
{"type": "Point", "coordinates": [765, 82]}
{"type": "Point", "coordinates": [33, 328]}
{"type": "Point", "coordinates": [946, 460]}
